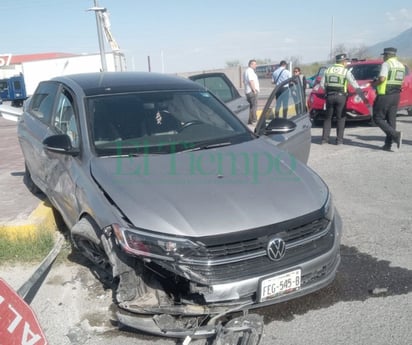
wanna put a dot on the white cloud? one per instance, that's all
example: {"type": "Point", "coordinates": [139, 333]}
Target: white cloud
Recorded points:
{"type": "Point", "coordinates": [289, 40]}
{"type": "Point", "coordinates": [399, 20]}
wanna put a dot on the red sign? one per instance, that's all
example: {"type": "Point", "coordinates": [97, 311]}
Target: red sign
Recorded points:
{"type": "Point", "coordinates": [5, 60]}
{"type": "Point", "coordinates": [18, 323]}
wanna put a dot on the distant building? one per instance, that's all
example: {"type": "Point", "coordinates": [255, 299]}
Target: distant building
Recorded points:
{"type": "Point", "coordinates": [43, 66]}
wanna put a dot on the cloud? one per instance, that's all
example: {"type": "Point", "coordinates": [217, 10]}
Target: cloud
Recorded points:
{"type": "Point", "coordinates": [405, 13]}
{"type": "Point", "coordinates": [289, 40]}
{"type": "Point", "coordinates": [399, 20]}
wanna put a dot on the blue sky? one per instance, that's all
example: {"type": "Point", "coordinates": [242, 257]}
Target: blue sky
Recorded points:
{"type": "Point", "coordinates": [193, 35]}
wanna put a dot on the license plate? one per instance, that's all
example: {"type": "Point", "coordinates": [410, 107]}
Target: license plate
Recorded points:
{"type": "Point", "coordinates": [280, 285]}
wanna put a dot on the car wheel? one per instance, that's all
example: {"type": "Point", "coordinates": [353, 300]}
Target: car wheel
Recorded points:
{"type": "Point", "coordinates": [85, 238]}
{"type": "Point", "coordinates": [29, 182]}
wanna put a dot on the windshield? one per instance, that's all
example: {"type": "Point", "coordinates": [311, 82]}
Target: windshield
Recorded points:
{"type": "Point", "coordinates": [161, 122]}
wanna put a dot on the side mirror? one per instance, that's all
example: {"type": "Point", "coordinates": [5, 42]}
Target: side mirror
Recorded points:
{"type": "Point", "coordinates": [60, 143]}
{"type": "Point", "coordinates": [280, 126]}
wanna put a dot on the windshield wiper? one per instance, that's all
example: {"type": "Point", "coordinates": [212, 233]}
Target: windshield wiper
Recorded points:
{"type": "Point", "coordinates": [207, 147]}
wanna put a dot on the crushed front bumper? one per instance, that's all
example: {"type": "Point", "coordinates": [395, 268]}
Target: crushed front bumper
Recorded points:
{"type": "Point", "coordinates": [203, 321]}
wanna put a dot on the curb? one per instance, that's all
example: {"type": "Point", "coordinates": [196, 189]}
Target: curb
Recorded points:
{"type": "Point", "coordinates": [39, 221]}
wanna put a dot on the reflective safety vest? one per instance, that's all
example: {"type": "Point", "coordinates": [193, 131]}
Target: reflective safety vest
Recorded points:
{"type": "Point", "coordinates": [335, 79]}
{"type": "Point", "coordinates": [393, 82]}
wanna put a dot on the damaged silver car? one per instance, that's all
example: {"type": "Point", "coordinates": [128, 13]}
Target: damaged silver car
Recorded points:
{"type": "Point", "coordinates": [195, 217]}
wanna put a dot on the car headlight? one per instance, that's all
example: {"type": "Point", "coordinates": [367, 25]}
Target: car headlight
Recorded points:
{"type": "Point", "coordinates": [150, 245]}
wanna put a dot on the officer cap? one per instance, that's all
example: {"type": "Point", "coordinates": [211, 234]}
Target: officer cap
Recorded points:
{"type": "Point", "coordinates": [389, 51]}
{"type": "Point", "coordinates": [341, 57]}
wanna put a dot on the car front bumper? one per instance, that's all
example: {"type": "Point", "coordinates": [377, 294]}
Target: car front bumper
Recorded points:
{"type": "Point", "coordinates": [224, 299]}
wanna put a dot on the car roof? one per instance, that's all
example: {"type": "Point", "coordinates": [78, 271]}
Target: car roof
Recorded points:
{"type": "Point", "coordinates": [117, 82]}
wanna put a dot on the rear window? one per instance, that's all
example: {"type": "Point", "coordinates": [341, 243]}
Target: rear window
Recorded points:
{"type": "Point", "coordinates": [219, 86]}
{"type": "Point", "coordinates": [365, 71]}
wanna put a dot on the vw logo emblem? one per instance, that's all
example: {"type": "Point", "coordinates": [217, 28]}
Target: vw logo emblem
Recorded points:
{"type": "Point", "coordinates": [276, 249]}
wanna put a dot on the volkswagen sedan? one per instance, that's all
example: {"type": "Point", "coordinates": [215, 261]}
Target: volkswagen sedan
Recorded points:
{"type": "Point", "coordinates": [193, 216]}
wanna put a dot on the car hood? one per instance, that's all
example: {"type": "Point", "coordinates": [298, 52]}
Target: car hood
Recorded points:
{"type": "Point", "coordinates": [210, 192]}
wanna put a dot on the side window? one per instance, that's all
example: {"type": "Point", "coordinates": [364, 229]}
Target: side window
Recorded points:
{"type": "Point", "coordinates": [3, 86]}
{"type": "Point", "coordinates": [42, 101]}
{"type": "Point", "coordinates": [288, 101]}
{"type": "Point", "coordinates": [65, 119]}
{"type": "Point", "coordinates": [219, 87]}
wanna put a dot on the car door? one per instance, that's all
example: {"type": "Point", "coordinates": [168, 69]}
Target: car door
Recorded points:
{"type": "Point", "coordinates": [33, 127]}
{"type": "Point", "coordinates": [285, 119]}
{"type": "Point", "coordinates": [63, 170]}
{"type": "Point", "coordinates": [221, 86]}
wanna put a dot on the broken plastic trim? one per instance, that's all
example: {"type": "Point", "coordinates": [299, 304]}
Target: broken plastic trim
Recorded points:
{"type": "Point", "coordinates": [246, 329]}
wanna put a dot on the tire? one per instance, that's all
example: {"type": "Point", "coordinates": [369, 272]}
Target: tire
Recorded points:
{"type": "Point", "coordinates": [29, 182]}
{"type": "Point", "coordinates": [85, 236]}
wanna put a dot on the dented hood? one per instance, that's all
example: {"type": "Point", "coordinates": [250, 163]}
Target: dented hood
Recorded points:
{"type": "Point", "coordinates": [210, 192]}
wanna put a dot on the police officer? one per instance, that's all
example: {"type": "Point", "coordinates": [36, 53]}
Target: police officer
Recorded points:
{"type": "Point", "coordinates": [388, 88]}
{"type": "Point", "coordinates": [335, 83]}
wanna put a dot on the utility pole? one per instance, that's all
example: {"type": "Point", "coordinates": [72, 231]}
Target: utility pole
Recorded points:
{"type": "Point", "coordinates": [98, 12]}
{"type": "Point", "coordinates": [331, 42]}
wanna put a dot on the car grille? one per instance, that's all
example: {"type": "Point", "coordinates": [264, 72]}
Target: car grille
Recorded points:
{"type": "Point", "coordinates": [226, 262]}
{"type": "Point", "coordinates": [290, 237]}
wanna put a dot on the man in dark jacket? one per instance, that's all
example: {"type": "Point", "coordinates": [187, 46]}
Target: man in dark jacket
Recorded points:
{"type": "Point", "coordinates": [335, 83]}
{"type": "Point", "coordinates": [388, 90]}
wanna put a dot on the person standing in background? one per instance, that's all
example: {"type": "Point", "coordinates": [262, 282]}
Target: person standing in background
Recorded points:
{"type": "Point", "coordinates": [297, 71]}
{"type": "Point", "coordinates": [251, 83]}
{"type": "Point", "coordinates": [388, 89]}
{"type": "Point", "coordinates": [279, 75]}
{"type": "Point", "coordinates": [335, 83]}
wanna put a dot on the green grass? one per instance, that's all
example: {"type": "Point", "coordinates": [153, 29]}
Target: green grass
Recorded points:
{"type": "Point", "coordinates": [29, 249]}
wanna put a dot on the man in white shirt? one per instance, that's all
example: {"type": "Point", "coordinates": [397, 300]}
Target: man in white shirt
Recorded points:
{"type": "Point", "coordinates": [251, 82]}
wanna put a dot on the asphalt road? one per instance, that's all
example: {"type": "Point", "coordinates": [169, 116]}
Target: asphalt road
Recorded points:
{"type": "Point", "coordinates": [370, 301]}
